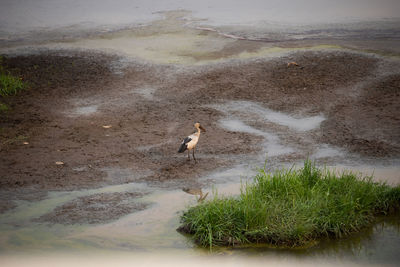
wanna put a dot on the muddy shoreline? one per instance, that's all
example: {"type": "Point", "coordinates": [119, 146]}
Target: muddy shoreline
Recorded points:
{"type": "Point", "coordinates": [150, 108]}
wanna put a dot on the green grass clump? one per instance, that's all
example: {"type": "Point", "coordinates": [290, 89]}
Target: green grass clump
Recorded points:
{"type": "Point", "coordinates": [9, 85]}
{"type": "Point", "coordinates": [291, 208]}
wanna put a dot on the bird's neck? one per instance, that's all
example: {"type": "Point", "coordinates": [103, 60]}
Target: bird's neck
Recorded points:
{"type": "Point", "coordinates": [198, 131]}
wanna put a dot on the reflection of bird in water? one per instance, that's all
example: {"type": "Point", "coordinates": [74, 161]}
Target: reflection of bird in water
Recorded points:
{"type": "Point", "coordinates": [196, 191]}
{"type": "Point", "coordinates": [190, 142]}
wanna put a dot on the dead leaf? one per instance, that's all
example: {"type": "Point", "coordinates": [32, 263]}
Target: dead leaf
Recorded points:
{"type": "Point", "coordinates": [59, 163]}
{"type": "Point", "coordinates": [26, 143]}
{"type": "Point", "coordinates": [292, 64]}
{"type": "Point", "coordinates": [107, 126]}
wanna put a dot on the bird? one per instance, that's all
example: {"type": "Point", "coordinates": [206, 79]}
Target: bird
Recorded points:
{"type": "Point", "coordinates": [190, 142]}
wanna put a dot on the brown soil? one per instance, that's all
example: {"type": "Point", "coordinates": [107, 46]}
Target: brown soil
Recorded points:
{"type": "Point", "coordinates": [370, 123]}
{"type": "Point", "coordinates": [151, 108]}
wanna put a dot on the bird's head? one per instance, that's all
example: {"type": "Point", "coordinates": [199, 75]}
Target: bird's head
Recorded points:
{"type": "Point", "coordinates": [198, 126]}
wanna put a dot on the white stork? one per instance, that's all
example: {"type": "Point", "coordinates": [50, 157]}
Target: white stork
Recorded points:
{"type": "Point", "coordinates": [190, 142]}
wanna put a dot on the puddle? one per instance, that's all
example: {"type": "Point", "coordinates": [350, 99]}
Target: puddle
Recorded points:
{"type": "Point", "coordinates": [149, 229]}
{"type": "Point", "coordinates": [27, 210]}
{"type": "Point", "coordinates": [259, 112]}
{"type": "Point", "coordinates": [87, 110]}
{"type": "Point", "coordinates": [155, 227]}
{"type": "Point", "coordinates": [231, 176]}
{"type": "Point", "coordinates": [271, 146]}
{"type": "Point", "coordinates": [239, 112]}
{"type": "Point", "coordinates": [19, 231]}
{"type": "Point", "coordinates": [288, 136]}
{"type": "Point", "coordinates": [83, 107]}
{"type": "Point", "coordinates": [239, 126]}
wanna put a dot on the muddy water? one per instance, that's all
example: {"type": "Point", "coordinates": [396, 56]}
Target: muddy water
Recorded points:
{"type": "Point", "coordinates": [44, 17]}
{"type": "Point", "coordinates": [152, 231]}
{"type": "Point", "coordinates": [192, 33]}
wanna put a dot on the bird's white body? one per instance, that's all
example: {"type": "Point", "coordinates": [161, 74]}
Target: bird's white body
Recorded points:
{"type": "Point", "coordinates": [190, 142]}
{"type": "Point", "coordinates": [195, 139]}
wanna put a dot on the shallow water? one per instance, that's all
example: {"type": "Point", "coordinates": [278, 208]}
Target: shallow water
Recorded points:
{"type": "Point", "coordinates": [386, 174]}
{"type": "Point", "coordinates": [375, 245]}
{"type": "Point", "coordinates": [265, 114]}
{"type": "Point", "coordinates": [274, 127]}
{"type": "Point", "coordinates": [272, 145]}
{"type": "Point", "coordinates": [23, 16]}
{"type": "Point", "coordinates": [153, 231]}
{"type": "Point", "coordinates": [87, 110]}
{"type": "Point", "coordinates": [327, 151]}
{"type": "Point", "coordinates": [192, 32]}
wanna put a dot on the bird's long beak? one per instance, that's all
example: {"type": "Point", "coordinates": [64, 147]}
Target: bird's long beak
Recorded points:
{"type": "Point", "coordinates": [201, 128]}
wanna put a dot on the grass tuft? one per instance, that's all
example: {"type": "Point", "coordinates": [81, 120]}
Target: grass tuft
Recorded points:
{"type": "Point", "coordinates": [291, 208]}
{"type": "Point", "coordinates": [9, 85]}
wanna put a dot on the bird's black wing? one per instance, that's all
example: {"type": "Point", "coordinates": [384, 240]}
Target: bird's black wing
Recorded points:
{"type": "Point", "coordinates": [183, 146]}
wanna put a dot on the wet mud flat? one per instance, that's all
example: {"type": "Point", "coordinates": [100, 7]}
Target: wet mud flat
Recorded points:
{"type": "Point", "coordinates": [92, 209]}
{"type": "Point", "coordinates": [94, 111]}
